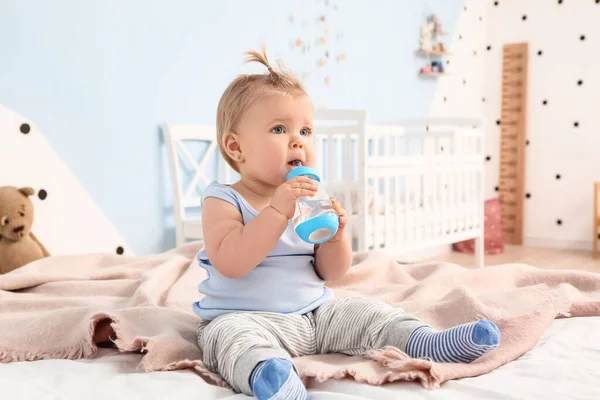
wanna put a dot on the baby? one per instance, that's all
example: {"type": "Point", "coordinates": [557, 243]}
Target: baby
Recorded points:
{"type": "Point", "coordinates": [265, 299]}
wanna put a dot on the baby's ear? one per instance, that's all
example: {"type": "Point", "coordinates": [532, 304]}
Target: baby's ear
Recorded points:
{"type": "Point", "coordinates": [232, 146]}
{"type": "Point", "coordinates": [27, 191]}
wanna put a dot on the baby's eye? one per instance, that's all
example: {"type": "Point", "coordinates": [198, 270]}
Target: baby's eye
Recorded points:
{"type": "Point", "coordinates": [305, 132]}
{"type": "Point", "coordinates": [278, 129]}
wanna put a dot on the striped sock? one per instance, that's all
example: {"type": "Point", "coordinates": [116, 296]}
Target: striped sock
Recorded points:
{"type": "Point", "coordinates": [276, 379]}
{"type": "Point", "coordinates": [461, 344]}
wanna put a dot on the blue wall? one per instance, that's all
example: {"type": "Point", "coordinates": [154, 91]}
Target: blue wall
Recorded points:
{"type": "Point", "coordinates": [100, 77]}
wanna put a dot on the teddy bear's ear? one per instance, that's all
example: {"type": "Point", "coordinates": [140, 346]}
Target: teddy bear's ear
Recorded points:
{"type": "Point", "coordinates": [27, 191]}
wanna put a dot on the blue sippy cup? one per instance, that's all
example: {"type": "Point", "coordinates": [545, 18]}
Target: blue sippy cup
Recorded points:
{"type": "Point", "coordinates": [315, 220]}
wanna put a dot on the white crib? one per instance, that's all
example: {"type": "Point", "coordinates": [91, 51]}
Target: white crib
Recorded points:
{"type": "Point", "coordinates": [408, 186]}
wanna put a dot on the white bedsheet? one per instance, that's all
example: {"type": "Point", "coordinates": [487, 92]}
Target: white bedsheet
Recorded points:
{"type": "Point", "coordinates": [564, 365]}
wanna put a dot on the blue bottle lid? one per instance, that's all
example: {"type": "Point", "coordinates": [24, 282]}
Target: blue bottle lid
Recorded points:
{"type": "Point", "coordinates": [319, 229]}
{"type": "Point", "coordinates": [303, 171]}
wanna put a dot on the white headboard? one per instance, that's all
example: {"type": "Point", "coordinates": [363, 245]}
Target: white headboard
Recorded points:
{"type": "Point", "coordinates": [178, 138]}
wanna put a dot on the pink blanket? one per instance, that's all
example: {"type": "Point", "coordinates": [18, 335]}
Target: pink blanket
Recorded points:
{"type": "Point", "coordinates": [62, 307]}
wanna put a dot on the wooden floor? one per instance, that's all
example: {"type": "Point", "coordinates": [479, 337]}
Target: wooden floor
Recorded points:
{"type": "Point", "coordinates": [538, 257]}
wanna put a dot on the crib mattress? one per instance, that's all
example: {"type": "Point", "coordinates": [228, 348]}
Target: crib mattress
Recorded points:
{"type": "Point", "coordinates": [563, 365]}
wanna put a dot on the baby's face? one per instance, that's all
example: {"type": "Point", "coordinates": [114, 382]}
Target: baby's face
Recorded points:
{"type": "Point", "coordinates": [275, 134]}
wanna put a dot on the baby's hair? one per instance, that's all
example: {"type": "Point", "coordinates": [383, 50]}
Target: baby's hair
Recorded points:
{"type": "Point", "coordinates": [246, 89]}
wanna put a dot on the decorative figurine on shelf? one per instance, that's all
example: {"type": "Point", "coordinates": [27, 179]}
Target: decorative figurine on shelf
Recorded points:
{"type": "Point", "coordinates": [437, 25]}
{"type": "Point", "coordinates": [437, 67]}
{"type": "Point", "coordinates": [431, 28]}
{"type": "Point", "coordinates": [426, 36]}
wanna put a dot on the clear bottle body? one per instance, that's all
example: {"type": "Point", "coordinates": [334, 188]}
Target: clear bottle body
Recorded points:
{"type": "Point", "coordinates": [311, 207]}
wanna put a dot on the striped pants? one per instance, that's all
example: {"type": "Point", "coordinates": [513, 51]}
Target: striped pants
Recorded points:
{"type": "Point", "coordinates": [233, 344]}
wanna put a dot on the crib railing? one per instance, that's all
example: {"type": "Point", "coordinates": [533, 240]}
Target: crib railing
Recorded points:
{"type": "Point", "coordinates": [408, 185]}
{"type": "Point", "coordinates": [338, 139]}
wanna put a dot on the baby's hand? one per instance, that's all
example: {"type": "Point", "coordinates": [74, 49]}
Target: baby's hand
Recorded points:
{"type": "Point", "coordinates": [342, 218]}
{"type": "Point", "coordinates": [284, 199]}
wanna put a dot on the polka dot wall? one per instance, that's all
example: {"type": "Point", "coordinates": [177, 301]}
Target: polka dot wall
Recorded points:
{"type": "Point", "coordinates": [563, 124]}
{"type": "Point", "coordinates": [42, 194]}
{"type": "Point", "coordinates": [65, 214]}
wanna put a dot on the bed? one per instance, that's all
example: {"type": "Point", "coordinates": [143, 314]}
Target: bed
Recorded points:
{"type": "Point", "coordinates": [564, 365]}
{"type": "Point", "coordinates": [52, 308]}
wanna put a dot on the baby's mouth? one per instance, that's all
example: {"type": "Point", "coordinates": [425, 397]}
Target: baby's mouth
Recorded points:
{"type": "Point", "coordinates": [295, 163]}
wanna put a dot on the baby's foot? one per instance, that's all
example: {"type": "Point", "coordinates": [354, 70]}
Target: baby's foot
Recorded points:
{"type": "Point", "coordinates": [276, 379]}
{"type": "Point", "coordinates": [461, 344]}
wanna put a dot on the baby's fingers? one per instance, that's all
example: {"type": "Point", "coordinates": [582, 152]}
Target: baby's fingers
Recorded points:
{"type": "Point", "coordinates": [301, 179]}
{"type": "Point", "coordinates": [304, 191]}
{"type": "Point", "coordinates": [343, 220]}
{"type": "Point", "coordinates": [304, 185]}
{"type": "Point", "coordinates": [337, 206]}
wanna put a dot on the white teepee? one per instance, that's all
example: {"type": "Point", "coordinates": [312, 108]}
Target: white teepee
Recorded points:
{"type": "Point", "coordinates": [67, 220]}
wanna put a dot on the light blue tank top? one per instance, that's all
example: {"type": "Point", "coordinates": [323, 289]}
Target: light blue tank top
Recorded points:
{"type": "Point", "coordinates": [284, 282]}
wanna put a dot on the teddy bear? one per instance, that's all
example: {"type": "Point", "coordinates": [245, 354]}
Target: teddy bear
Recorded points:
{"type": "Point", "coordinates": [18, 245]}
